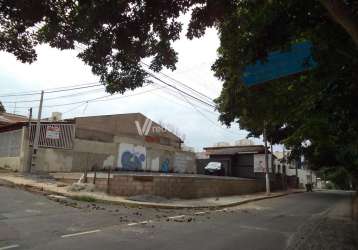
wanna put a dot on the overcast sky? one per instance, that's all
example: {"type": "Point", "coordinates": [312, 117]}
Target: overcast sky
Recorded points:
{"type": "Point", "coordinates": [55, 68]}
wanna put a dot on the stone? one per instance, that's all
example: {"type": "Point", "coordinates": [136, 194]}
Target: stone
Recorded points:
{"type": "Point", "coordinates": [77, 187]}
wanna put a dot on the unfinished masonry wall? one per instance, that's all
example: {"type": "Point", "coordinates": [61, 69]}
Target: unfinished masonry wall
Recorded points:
{"type": "Point", "coordinates": [13, 149]}
{"type": "Point", "coordinates": [85, 155]}
{"type": "Point", "coordinates": [186, 187]}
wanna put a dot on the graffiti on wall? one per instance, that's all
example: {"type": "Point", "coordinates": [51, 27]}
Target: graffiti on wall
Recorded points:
{"type": "Point", "coordinates": [131, 157]}
{"type": "Point", "coordinates": [165, 166]}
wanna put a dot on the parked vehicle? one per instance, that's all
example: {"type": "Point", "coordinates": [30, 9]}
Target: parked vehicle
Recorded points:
{"type": "Point", "coordinates": [214, 168]}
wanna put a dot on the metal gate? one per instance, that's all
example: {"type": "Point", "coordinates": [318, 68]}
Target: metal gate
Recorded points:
{"type": "Point", "coordinates": [61, 138]}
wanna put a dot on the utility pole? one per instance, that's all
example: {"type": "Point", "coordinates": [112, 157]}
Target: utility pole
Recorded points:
{"type": "Point", "coordinates": [28, 166]}
{"type": "Point", "coordinates": [30, 118]}
{"type": "Point", "coordinates": [272, 160]}
{"type": "Point", "coordinates": [266, 162]}
{"type": "Point", "coordinates": [35, 144]}
{"type": "Point", "coordinates": [283, 177]}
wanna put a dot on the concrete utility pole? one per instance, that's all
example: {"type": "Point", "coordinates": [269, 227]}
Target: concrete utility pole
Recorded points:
{"type": "Point", "coordinates": [266, 162]}
{"type": "Point", "coordinates": [29, 157]}
{"type": "Point", "coordinates": [30, 118]}
{"type": "Point", "coordinates": [35, 144]}
{"type": "Point", "coordinates": [272, 160]}
{"type": "Point", "coordinates": [283, 163]}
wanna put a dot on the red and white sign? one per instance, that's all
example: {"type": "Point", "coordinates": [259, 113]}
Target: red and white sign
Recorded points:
{"type": "Point", "coordinates": [53, 132]}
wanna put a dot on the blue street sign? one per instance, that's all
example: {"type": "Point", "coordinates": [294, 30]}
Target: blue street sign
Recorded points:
{"type": "Point", "coordinates": [280, 64]}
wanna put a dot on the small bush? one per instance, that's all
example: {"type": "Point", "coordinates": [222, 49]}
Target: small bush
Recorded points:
{"type": "Point", "coordinates": [330, 185]}
{"type": "Point", "coordinates": [84, 198]}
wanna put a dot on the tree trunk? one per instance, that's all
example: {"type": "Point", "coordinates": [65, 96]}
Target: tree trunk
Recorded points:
{"type": "Point", "coordinates": [341, 14]}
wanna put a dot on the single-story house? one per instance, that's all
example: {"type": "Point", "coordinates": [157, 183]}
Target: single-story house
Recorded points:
{"type": "Point", "coordinates": [246, 161]}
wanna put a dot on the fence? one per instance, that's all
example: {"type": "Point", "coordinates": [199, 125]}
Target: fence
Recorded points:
{"type": "Point", "coordinates": [54, 135]}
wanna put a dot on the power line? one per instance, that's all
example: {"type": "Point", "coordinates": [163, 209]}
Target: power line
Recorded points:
{"type": "Point", "coordinates": [56, 91]}
{"type": "Point", "coordinates": [195, 107]}
{"type": "Point", "coordinates": [181, 91]}
{"type": "Point", "coordinates": [84, 87]}
{"type": "Point", "coordinates": [180, 98]}
{"type": "Point", "coordinates": [57, 97]}
{"type": "Point", "coordinates": [27, 94]}
{"type": "Point", "coordinates": [72, 109]}
{"type": "Point", "coordinates": [97, 99]}
{"type": "Point", "coordinates": [66, 96]}
{"type": "Point", "coordinates": [181, 83]}
{"type": "Point", "coordinates": [37, 92]}
{"type": "Point", "coordinates": [208, 119]}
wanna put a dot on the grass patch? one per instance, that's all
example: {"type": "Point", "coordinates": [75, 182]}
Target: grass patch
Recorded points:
{"type": "Point", "coordinates": [84, 198]}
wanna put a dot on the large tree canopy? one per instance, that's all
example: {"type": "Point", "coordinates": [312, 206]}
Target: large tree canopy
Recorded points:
{"type": "Point", "coordinates": [314, 113]}
{"type": "Point", "coordinates": [115, 34]}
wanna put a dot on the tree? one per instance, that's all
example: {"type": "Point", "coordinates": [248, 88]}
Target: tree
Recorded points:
{"type": "Point", "coordinates": [2, 108]}
{"type": "Point", "coordinates": [117, 35]}
{"type": "Point", "coordinates": [342, 14]}
{"type": "Point", "coordinates": [313, 113]}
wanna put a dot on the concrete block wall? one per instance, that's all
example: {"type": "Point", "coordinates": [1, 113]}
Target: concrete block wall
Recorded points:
{"type": "Point", "coordinates": [14, 150]}
{"type": "Point", "coordinates": [179, 186]}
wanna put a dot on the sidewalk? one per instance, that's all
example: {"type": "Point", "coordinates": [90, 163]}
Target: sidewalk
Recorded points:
{"type": "Point", "coordinates": [58, 188]}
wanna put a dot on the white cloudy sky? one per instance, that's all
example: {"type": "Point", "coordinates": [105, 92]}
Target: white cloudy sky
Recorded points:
{"type": "Point", "coordinates": [56, 68]}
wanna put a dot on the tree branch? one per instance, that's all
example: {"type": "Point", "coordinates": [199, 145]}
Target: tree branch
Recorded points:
{"type": "Point", "coordinates": [342, 15]}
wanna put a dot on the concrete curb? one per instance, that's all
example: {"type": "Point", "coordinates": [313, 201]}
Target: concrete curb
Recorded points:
{"type": "Point", "coordinates": [172, 206]}
{"type": "Point", "coordinates": [131, 203]}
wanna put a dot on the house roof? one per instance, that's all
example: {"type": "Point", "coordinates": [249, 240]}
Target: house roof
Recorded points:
{"type": "Point", "coordinates": [8, 118]}
{"type": "Point", "coordinates": [232, 150]}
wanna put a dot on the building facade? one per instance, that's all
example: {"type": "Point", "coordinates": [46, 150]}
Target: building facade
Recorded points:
{"type": "Point", "coordinates": [128, 142]}
{"type": "Point", "coordinates": [246, 161]}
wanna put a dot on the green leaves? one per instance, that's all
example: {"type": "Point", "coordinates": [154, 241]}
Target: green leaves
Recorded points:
{"type": "Point", "coordinates": [316, 107]}
{"type": "Point", "coordinates": [114, 35]}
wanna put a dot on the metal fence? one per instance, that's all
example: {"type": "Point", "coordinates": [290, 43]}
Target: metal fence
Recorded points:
{"type": "Point", "coordinates": [10, 143]}
{"type": "Point", "coordinates": [54, 135]}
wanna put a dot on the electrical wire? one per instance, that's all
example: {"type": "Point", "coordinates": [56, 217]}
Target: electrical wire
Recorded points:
{"type": "Point", "coordinates": [196, 108]}
{"type": "Point", "coordinates": [174, 93]}
{"type": "Point", "coordinates": [181, 83]}
{"type": "Point", "coordinates": [97, 99]}
{"type": "Point", "coordinates": [38, 92]}
{"type": "Point", "coordinates": [57, 97]}
{"type": "Point", "coordinates": [208, 119]}
{"type": "Point", "coordinates": [181, 91]}
{"type": "Point", "coordinates": [69, 89]}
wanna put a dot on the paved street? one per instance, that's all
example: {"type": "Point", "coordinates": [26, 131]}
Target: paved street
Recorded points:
{"type": "Point", "coordinates": [319, 220]}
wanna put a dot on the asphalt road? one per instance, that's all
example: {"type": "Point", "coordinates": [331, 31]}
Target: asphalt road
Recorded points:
{"type": "Point", "coordinates": [319, 220]}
